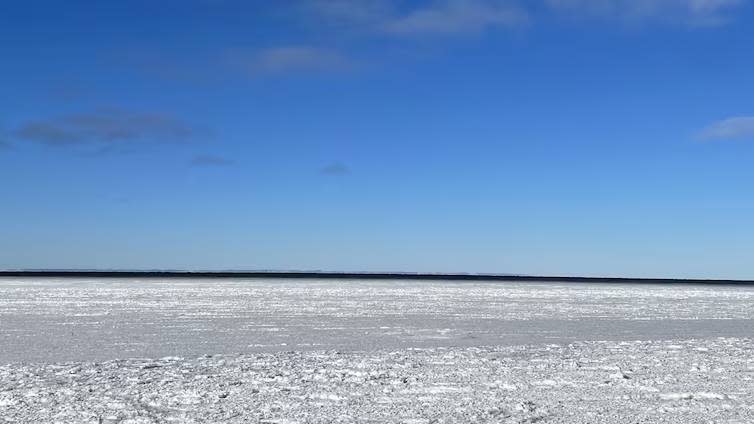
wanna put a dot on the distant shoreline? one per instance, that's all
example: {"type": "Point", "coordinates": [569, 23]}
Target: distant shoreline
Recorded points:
{"type": "Point", "coordinates": [361, 276]}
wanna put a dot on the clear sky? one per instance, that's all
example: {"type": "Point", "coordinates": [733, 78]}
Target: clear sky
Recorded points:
{"type": "Point", "coordinates": [563, 137]}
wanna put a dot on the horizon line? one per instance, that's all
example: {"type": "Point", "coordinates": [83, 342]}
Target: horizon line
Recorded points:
{"type": "Point", "coordinates": [342, 275]}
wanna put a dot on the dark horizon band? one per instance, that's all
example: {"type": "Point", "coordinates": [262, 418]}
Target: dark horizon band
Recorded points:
{"type": "Point", "coordinates": [360, 276]}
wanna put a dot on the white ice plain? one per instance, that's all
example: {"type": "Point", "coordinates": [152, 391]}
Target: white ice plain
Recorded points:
{"type": "Point", "coordinates": [221, 351]}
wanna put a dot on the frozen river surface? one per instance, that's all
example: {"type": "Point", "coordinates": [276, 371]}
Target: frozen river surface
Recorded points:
{"type": "Point", "coordinates": [282, 351]}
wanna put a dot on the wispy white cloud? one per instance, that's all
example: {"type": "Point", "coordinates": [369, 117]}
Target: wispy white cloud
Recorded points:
{"type": "Point", "coordinates": [737, 127]}
{"type": "Point", "coordinates": [690, 12]}
{"type": "Point", "coordinates": [463, 16]}
{"type": "Point", "coordinates": [350, 12]}
{"type": "Point", "coordinates": [433, 17]}
{"type": "Point", "coordinates": [339, 25]}
{"type": "Point", "coordinates": [457, 17]}
{"type": "Point", "coordinates": [291, 59]}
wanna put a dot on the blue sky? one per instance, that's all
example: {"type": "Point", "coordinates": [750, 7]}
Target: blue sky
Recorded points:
{"type": "Point", "coordinates": [559, 137]}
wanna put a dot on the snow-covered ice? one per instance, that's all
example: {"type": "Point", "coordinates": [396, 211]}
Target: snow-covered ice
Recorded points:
{"type": "Point", "coordinates": [572, 383]}
{"type": "Point", "coordinates": [125, 351]}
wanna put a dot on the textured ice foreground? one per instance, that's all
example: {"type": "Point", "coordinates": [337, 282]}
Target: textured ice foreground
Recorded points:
{"type": "Point", "coordinates": [595, 382]}
{"type": "Point", "coordinates": [336, 351]}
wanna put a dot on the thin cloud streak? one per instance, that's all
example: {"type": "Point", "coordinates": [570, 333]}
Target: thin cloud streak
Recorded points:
{"type": "Point", "coordinates": [291, 59]}
{"type": "Point", "coordinates": [107, 127]}
{"type": "Point", "coordinates": [335, 169]}
{"type": "Point", "coordinates": [210, 161]}
{"type": "Point", "coordinates": [737, 127]}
